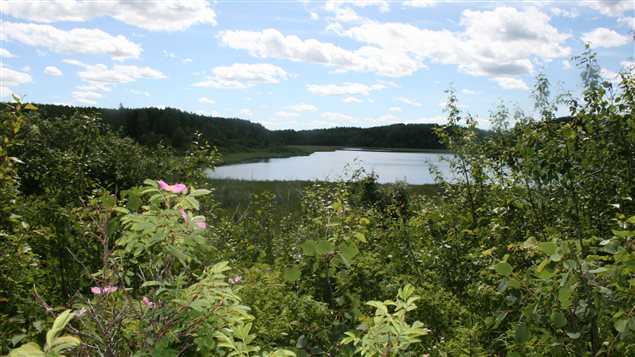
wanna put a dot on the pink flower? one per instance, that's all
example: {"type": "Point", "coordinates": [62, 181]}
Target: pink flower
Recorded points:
{"type": "Point", "coordinates": [184, 215]}
{"type": "Point", "coordinates": [201, 225]}
{"type": "Point", "coordinates": [176, 188]}
{"type": "Point", "coordinates": [105, 290]}
{"type": "Point", "coordinates": [236, 279]}
{"type": "Point", "coordinates": [148, 302]}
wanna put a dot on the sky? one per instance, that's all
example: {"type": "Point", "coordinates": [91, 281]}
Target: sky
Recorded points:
{"type": "Point", "coordinates": [306, 64]}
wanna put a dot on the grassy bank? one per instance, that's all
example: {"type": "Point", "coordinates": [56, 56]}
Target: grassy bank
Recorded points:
{"type": "Point", "coordinates": [271, 153]}
{"type": "Point", "coordinates": [236, 195]}
{"type": "Point", "coordinates": [300, 150]}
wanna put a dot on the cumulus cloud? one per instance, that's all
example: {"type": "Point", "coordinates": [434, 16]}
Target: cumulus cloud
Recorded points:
{"type": "Point", "coordinates": [241, 75]}
{"type": "Point", "coordinates": [613, 8]}
{"type": "Point", "coordinates": [332, 5]}
{"type": "Point", "coordinates": [283, 113]}
{"type": "Point", "coordinates": [352, 100]}
{"type": "Point", "coordinates": [5, 53]}
{"type": "Point", "coordinates": [100, 77]}
{"type": "Point", "coordinates": [603, 37]}
{"type": "Point", "coordinates": [339, 117]}
{"type": "Point", "coordinates": [246, 112]}
{"type": "Point", "coordinates": [344, 89]}
{"type": "Point", "coordinates": [511, 83]}
{"type": "Point", "coordinates": [157, 15]}
{"type": "Point", "coordinates": [498, 42]}
{"type": "Point", "coordinates": [570, 13]}
{"type": "Point", "coordinates": [206, 100]}
{"type": "Point", "coordinates": [395, 109]}
{"type": "Point", "coordinates": [271, 43]}
{"type": "Point", "coordinates": [410, 101]}
{"type": "Point", "coordinates": [420, 3]}
{"type": "Point", "coordinates": [78, 40]}
{"type": "Point", "coordinates": [303, 107]}
{"type": "Point", "coordinates": [52, 71]}
{"type": "Point", "coordinates": [10, 78]}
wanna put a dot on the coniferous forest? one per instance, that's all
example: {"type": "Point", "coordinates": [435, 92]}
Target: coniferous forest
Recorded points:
{"type": "Point", "coordinates": [112, 242]}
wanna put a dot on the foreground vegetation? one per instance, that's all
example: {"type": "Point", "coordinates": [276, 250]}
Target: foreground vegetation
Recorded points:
{"type": "Point", "coordinates": [531, 252]}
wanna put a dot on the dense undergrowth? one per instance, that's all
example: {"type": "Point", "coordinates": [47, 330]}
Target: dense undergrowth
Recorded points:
{"type": "Point", "coordinates": [530, 252]}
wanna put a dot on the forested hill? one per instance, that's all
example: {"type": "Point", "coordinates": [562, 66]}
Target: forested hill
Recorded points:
{"type": "Point", "coordinates": [175, 127]}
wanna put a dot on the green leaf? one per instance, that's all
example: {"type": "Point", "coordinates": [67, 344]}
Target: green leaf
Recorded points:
{"type": "Point", "coordinates": [558, 319]}
{"type": "Point", "coordinates": [323, 247]}
{"type": "Point", "coordinates": [292, 274]}
{"type": "Point", "coordinates": [564, 296]}
{"type": "Point", "coordinates": [360, 237]}
{"type": "Point", "coordinates": [620, 325]}
{"type": "Point", "coordinates": [65, 342]}
{"type": "Point", "coordinates": [30, 349]}
{"type": "Point", "coordinates": [503, 268]}
{"type": "Point", "coordinates": [199, 192]}
{"type": "Point", "coordinates": [548, 247]}
{"type": "Point", "coordinates": [309, 247]}
{"type": "Point", "coordinates": [59, 324]}
{"type": "Point", "coordinates": [522, 333]}
{"type": "Point", "coordinates": [348, 251]}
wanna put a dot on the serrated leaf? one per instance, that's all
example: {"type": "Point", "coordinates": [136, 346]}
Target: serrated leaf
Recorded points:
{"type": "Point", "coordinates": [323, 247]}
{"type": "Point", "coordinates": [308, 247]}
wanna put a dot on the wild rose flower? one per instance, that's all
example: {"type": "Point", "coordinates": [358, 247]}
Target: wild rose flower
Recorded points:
{"type": "Point", "coordinates": [176, 188]}
{"type": "Point", "coordinates": [235, 280]}
{"type": "Point", "coordinates": [201, 225]}
{"type": "Point", "coordinates": [105, 290]}
{"type": "Point", "coordinates": [183, 214]}
{"type": "Point", "coordinates": [148, 302]}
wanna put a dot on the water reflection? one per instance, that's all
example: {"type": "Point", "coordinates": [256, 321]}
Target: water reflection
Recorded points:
{"type": "Point", "coordinates": [411, 167]}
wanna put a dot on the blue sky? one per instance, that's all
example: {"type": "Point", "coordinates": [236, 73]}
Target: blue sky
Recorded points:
{"type": "Point", "coordinates": [305, 64]}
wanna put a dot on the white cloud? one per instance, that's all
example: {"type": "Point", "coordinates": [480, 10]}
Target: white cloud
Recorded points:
{"type": "Point", "coordinates": [603, 37]}
{"type": "Point", "coordinates": [511, 83]}
{"type": "Point", "coordinates": [566, 65]}
{"type": "Point", "coordinates": [271, 43]}
{"type": "Point", "coordinates": [164, 15]}
{"type": "Point", "coordinates": [205, 100]}
{"type": "Point", "coordinates": [628, 20]}
{"type": "Point", "coordinates": [246, 112]}
{"type": "Point", "coordinates": [570, 13]}
{"type": "Point", "coordinates": [346, 14]}
{"type": "Point", "coordinates": [332, 5]}
{"type": "Point", "coordinates": [314, 15]}
{"type": "Point", "coordinates": [303, 107]}
{"type": "Point", "coordinates": [410, 101]}
{"type": "Point", "coordinates": [628, 66]}
{"type": "Point", "coordinates": [282, 113]}
{"type": "Point", "coordinates": [352, 100]}
{"type": "Point", "coordinates": [395, 109]}
{"type": "Point", "coordinates": [100, 77]}
{"type": "Point", "coordinates": [339, 117]}
{"type": "Point", "coordinates": [610, 76]}
{"type": "Point", "coordinates": [613, 8]}
{"type": "Point", "coordinates": [138, 92]}
{"type": "Point", "coordinates": [241, 75]}
{"type": "Point", "coordinates": [53, 71]}
{"type": "Point", "coordinates": [5, 53]}
{"type": "Point", "coordinates": [344, 89]}
{"type": "Point", "coordinates": [10, 78]}
{"type": "Point", "coordinates": [187, 61]}
{"type": "Point", "coordinates": [499, 42]}
{"type": "Point", "coordinates": [78, 40]}
{"type": "Point", "coordinates": [168, 54]}
{"type": "Point", "coordinates": [420, 3]}
{"type": "Point", "coordinates": [86, 97]}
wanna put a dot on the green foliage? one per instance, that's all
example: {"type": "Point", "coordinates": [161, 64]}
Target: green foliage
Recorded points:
{"type": "Point", "coordinates": [389, 334]}
{"type": "Point", "coordinates": [55, 344]}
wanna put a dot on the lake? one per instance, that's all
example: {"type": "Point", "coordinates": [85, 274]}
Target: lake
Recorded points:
{"type": "Point", "coordinates": [390, 166]}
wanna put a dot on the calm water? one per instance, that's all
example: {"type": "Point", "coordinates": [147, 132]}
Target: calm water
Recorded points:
{"type": "Point", "coordinates": [331, 166]}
